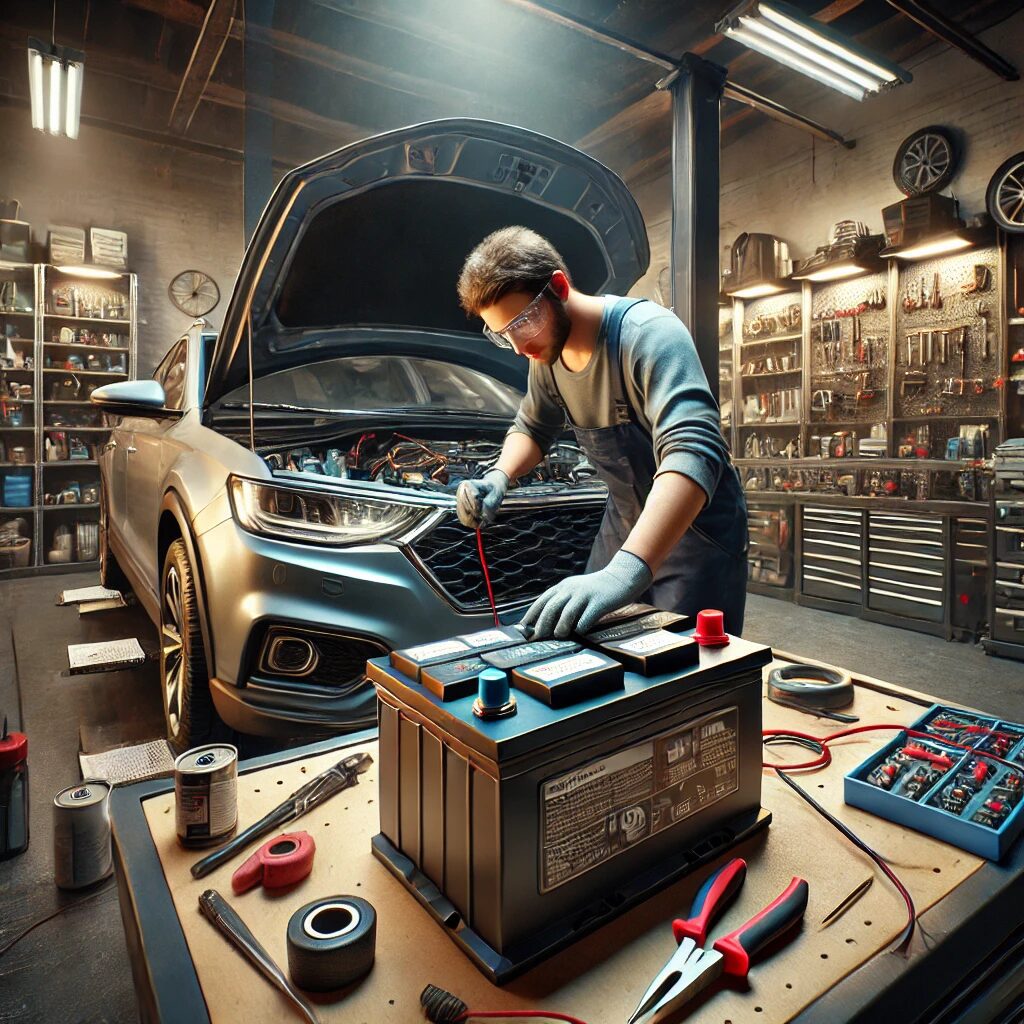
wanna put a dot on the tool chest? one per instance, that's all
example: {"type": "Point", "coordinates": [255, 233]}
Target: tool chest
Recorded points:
{"type": "Point", "coordinates": [906, 565]}
{"type": "Point", "coordinates": [953, 794]}
{"type": "Point", "coordinates": [522, 833]}
{"type": "Point", "coordinates": [832, 544]}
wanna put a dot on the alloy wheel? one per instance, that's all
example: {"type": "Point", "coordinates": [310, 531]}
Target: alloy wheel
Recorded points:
{"type": "Point", "coordinates": [171, 654]}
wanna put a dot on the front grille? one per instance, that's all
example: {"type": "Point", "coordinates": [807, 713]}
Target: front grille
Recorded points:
{"type": "Point", "coordinates": [341, 660]}
{"type": "Point", "coordinates": [527, 551]}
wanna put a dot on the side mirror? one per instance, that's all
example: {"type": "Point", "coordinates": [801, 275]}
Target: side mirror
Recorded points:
{"type": "Point", "coordinates": [133, 398]}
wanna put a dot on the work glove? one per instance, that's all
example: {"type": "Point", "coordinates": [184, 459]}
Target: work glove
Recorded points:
{"type": "Point", "coordinates": [477, 501]}
{"type": "Point", "coordinates": [576, 603]}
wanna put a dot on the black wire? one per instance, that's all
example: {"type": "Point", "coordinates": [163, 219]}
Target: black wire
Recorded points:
{"type": "Point", "coordinates": [49, 917]}
{"type": "Point", "coordinates": [908, 930]}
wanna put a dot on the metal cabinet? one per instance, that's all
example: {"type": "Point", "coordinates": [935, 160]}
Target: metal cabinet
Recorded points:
{"type": "Point", "coordinates": [907, 565]}
{"type": "Point", "coordinates": [770, 561]}
{"type": "Point", "coordinates": [832, 544]}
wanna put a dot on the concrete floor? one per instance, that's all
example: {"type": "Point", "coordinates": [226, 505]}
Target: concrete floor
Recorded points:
{"type": "Point", "coordinates": [75, 969]}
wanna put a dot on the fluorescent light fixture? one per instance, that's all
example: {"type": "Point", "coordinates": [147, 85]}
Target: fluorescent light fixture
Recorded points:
{"type": "Point", "coordinates": [86, 270]}
{"type": "Point", "coordinates": [73, 107]}
{"type": "Point", "coordinates": [35, 84]}
{"type": "Point", "coordinates": [55, 87]}
{"type": "Point", "coordinates": [53, 124]}
{"type": "Point", "coordinates": [800, 28]}
{"type": "Point", "coordinates": [757, 291]}
{"type": "Point", "coordinates": [948, 243]}
{"type": "Point", "coordinates": [836, 272]}
{"type": "Point", "coordinates": [810, 48]}
{"type": "Point", "coordinates": [808, 52]}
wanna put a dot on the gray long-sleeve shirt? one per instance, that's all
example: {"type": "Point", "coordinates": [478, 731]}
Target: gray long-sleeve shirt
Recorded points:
{"type": "Point", "coordinates": [665, 384]}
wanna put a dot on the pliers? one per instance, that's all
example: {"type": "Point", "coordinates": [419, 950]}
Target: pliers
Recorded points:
{"type": "Point", "coordinates": [692, 967]}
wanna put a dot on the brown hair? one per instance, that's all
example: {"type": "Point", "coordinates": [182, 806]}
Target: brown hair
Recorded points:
{"type": "Point", "coordinates": [508, 260]}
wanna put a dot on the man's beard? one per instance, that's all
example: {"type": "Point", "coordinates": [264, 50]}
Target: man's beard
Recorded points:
{"type": "Point", "coordinates": [561, 328]}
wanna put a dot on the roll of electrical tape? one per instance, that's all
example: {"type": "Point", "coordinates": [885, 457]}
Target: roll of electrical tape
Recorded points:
{"type": "Point", "coordinates": [811, 685]}
{"type": "Point", "coordinates": [331, 942]}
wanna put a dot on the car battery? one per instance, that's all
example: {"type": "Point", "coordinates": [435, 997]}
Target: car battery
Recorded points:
{"type": "Point", "coordinates": [520, 834]}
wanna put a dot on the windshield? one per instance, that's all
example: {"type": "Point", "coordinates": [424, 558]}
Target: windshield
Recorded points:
{"type": "Point", "coordinates": [382, 382]}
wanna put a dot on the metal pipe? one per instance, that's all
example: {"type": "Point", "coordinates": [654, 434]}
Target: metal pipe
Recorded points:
{"type": "Point", "coordinates": [950, 32]}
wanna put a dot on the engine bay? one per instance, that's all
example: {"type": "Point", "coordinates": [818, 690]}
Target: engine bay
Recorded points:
{"type": "Point", "coordinates": [432, 464]}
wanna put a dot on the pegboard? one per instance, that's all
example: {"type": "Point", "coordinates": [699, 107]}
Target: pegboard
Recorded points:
{"type": "Point", "coordinates": [856, 375]}
{"type": "Point", "coordinates": [932, 398]}
{"type": "Point", "coordinates": [770, 364]}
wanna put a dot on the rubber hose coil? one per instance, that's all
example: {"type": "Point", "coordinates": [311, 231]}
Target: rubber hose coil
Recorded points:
{"type": "Point", "coordinates": [331, 942]}
{"type": "Point", "coordinates": [812, 685]}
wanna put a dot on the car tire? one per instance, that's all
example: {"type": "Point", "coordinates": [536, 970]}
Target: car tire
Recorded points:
{"type": "Point", "coordinates": [111, 573]}
{"type": "Point", "coordinates": [188, 707]}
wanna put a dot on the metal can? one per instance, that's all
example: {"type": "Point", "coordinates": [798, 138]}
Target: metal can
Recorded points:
{"type": "Point", "coordinates": [82, 853]}
{"type": "Point", "coordinates": [206, 794]}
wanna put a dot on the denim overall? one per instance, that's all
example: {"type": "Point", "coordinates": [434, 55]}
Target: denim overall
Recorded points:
{"type": "Point", "coordinates": [708, 568]}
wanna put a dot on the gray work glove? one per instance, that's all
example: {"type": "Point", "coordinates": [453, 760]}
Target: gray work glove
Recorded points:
{"type": "Point", "coordinates": [576, 603]}
{"type": "Point", "coordinates": [477, 501]}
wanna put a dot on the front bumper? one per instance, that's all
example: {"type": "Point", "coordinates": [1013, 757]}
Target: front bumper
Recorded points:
{"type": "Point", "coordinates": [372, 592]}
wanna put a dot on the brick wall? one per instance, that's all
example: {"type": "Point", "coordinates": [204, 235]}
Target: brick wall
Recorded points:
{"type": "Point", "coordinates": [181, 210]}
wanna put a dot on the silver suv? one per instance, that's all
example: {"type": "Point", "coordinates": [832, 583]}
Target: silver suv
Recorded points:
{"type": "Point", "coordinates": [280, 496]}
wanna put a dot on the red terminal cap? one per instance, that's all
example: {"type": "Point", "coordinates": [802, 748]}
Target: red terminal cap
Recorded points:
{"type": "Point", "coordinates": [13, 748]}
{"type": "Point", "coordinates": [710, 631]}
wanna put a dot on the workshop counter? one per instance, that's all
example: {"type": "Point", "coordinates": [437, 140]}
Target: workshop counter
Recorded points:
{"type": "Point", "coordinates": [968, 909]}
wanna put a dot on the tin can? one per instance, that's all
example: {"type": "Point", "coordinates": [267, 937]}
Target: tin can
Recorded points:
{"type": "Point", "coordinates": [206, 794]}
{"type": "Point", "coordinates": [82, 853]}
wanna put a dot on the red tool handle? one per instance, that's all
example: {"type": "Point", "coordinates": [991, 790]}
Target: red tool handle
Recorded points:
{"type": "Point", "coordinates": [283, 860]}
{"type": "Point", "coordinates": [785, 912]}
{"type": "Point", "coordinates": [711, 899]}
{"type": "Point", "coordinates": [927, 755]}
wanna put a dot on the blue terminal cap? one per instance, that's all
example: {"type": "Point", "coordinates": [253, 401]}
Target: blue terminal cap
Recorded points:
{"type": "Point", "coordinates": [494, 699]}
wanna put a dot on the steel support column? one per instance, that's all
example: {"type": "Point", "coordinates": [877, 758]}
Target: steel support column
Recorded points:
{"type": "Point", "coordinates": [696, 102]}
{"type": "Point", "coordinates": [258, 174]}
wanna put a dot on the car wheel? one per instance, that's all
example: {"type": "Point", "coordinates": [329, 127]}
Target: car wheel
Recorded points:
{"type": "Point", "coordinates": [111, 574]}
{"type": "Point", "coordinates": [188, 706]}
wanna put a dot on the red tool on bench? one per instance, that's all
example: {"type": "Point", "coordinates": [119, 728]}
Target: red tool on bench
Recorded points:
{"type": "Point", "coordinates": [692, 967]}
{"type": "Point", "coordinates": [283, 860]}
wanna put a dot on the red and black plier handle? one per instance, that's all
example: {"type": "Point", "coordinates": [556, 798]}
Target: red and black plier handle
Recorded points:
{"type": "Point", "coordinates": [738, 947]}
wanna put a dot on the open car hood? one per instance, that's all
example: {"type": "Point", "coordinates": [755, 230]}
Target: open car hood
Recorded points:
{"type": "Point", "coordinates": [372, 238]}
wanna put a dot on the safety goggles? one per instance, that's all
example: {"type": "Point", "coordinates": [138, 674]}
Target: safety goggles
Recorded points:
{"type": "Point", "coordinates": [521, 328]}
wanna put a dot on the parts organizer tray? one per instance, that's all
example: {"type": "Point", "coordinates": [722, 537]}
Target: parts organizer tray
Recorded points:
{"type": "Point", "coordinates": [974, 803]}
{"type": "Point", "coordinates": [521, 834]}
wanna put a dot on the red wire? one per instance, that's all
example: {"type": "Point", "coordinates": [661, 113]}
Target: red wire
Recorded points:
{"type": "Point", "coordinates": [487, 575]}
{"type": "Point", "coordinates": [542, 1014]}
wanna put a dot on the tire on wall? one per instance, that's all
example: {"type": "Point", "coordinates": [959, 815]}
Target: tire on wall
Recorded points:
{"type": "Point", "coordinates": [188, 707]}
{"type": "Point", "coordinates": [111, 573]}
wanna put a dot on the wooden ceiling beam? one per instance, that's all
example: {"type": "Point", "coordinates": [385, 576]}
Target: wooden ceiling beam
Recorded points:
{"type": "Point", "coordinates": [213, 37]}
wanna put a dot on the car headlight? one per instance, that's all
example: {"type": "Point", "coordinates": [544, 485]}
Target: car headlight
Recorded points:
{"type": "Point", "coordinates": [318, 517]}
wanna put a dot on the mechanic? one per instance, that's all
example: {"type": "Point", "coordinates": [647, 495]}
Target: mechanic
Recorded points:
{"type": "Point", "coordinates": [626, 375]}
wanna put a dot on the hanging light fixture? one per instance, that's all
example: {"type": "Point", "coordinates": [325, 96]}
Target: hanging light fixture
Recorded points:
{"type": "Point", "coordinates": [779, 31]}
{"type": "Point", "coordinates": [55, 87]}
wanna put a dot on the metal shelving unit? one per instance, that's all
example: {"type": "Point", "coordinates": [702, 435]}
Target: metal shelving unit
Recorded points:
{"type": "Point", "coordinates": [64, 337]}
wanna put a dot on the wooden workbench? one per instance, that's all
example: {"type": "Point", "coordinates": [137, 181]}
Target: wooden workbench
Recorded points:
{"type": "Point", "coordinates": [186, 971]}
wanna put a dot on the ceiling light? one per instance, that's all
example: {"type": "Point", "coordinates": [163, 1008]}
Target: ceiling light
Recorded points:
{"type": "Point", "coordinates": [88, 270]}
{"type": "Point", "coordinates": [951, 243]}
{"type": "Point", "coordinates": [55, 87]}
{"type": "Point", "coordinates": [757, 291]}
{"type": "Point", "coordinates": [782, 33]}
{"type": "Point", "coordinates": [837, 272]}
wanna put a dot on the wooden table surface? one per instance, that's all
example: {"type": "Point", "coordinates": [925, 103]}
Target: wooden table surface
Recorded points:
{"type": "Point", "coordinates": [600, 978]}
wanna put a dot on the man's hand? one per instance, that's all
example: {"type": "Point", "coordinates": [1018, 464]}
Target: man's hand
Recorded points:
{"type": "Point", "coordinates": [477, 501]}
{"type": "Point", "coordinates": [576, 603]}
